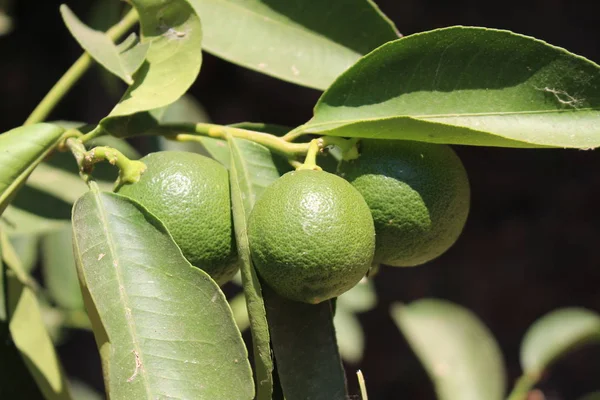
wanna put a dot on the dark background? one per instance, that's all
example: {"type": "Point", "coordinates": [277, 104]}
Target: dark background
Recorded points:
{"type": "Point", "coordinates": [529, 245]}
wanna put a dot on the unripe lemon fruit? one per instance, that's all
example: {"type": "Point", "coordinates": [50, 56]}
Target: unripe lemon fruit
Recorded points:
{"type": "Point", "coordinates": [189, 193]}
{"type": "Point", "coordinates": [418, 194]}
{"type": "Point", "coordinates": [311, 236]}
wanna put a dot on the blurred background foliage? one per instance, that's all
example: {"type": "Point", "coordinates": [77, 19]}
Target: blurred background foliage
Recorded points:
{"type": "Point", "coordinates": [529, 243]}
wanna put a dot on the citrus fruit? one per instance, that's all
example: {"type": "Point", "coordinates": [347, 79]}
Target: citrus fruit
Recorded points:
{"type": "Point", "coordinates": [418, 194]}
{"type": "Point", "coordinates": [311, 236]}
{"type": "Point", "coordinates": [189, 193]}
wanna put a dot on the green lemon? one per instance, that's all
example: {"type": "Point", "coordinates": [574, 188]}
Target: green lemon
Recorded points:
{"type": "Point", "coordinates": [311, 236]}
{"type": "Point", "coordinates": [189, 193]}
{"type": "Point", "coordinates": [418, 194]}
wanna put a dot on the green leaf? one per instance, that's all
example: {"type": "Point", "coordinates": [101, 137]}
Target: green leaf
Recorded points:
{"type": "Point", "coordinates": [29, 333]}
{"type": "Point", "coordinates": [349, 333]}
{"type": "Point", "coordinates": [174, 34]}
{"type": "Point", "coordinates": [56, 182]}
{"type": "Point", "coordinates": [244, 190]}
{"type": "Point", "coordinates": [186, 109]}
{"type": "Point", "coordinates": [458, 352]}
{"type": "Point", "coordinates": [15, 221]}
{"type": "Point", "coordinates": [59, 270]}
{"type": "Point", "coordinates": [122, 61]}
{"type": "Point", "coordinates": [161, 325]}
{"type": "Point", "coordinates": [465, 85]}
{"type": "Point", "coordinates": [360, 298]}
{"type": "Point", "coordinates": [26, 247]}
{"type": "Point", "coordinates": [305, 347]}
{"type": "Point", "coordinates": [309, 42]}
{"type": "Point", "coordinates": [555, 334]}
{"type": "Point", "coordinates": [21, 150]}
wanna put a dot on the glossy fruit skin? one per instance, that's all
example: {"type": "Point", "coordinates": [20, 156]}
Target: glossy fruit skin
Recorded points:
{"type": "Point", "coordinates": [311, 236]}
{"type": "Point", "coordinates": [418, 194]}
{"type": "Point", "coordinates": [190, 194]}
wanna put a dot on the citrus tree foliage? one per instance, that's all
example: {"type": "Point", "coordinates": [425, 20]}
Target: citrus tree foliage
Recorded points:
{"type": "Point", "coordinates": [163, 326]}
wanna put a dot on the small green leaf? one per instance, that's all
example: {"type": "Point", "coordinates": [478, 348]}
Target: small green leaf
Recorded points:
{"type": "Point", "coordinates": [305, 347]}
{"type": "Point", "coordinates": [458, 352]}
{"type": "Point", "coordinates": [349, 333]}
{"type": "Point", "coordinates": [555, 334]}
{"type": "Point", "coordinates": [245, 170]}
{"type": "Point", "coordinates": [161, 325]}
{"type": "Point", "coordinates": [29, 333]}
{"type": "Point", "coordinates": [122, 61]}
{"type": "Point", "coordinates": [309, 42]}
{"type": "Point", "coordinates": [59, 270]}
{"type": "Point", "coordinates": [21, 150]}
{"type": "Point", "coordinates": [174, 34]}
{"type": "Point", "coordinates": [466, 85]}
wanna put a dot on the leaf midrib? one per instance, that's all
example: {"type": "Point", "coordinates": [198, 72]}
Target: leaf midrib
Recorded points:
{"type": "Point", "coordinates": [122, 294]}
{"type": "Point", "coordinates": [309, 126]}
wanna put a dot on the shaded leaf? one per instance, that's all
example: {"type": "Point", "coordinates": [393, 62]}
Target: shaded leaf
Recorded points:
{"type": "Point", "coordinates": [122, 61]}
{"type": "Point", "coordinates": [173, 59]}
{"type": "Point", "coordinates": [21, 150]}
{"type": "Point", "coordinates": [555, 334]}
{"type": "Point", "coordinates": [458, 352]}
{"type": "Point", "coordinates": [15, 221]}
{"type": "Point", "coordinates": [305, 347]}
{"type": "Point", "coordinates": [29, 334]}
{"type": "Point", "coordinates": [465, 85]}
{"type": "Point", "coordinates": [186, 109]}
{"type": "Point", "coordinates": [309, 43]}
{"type": "Point", "coordinates": [59, 270]}
{"type": "Point", "coordinates": [26, 248]}
{"type": "Point", "coordinates": [245, 168]}
{"type": "Point", "coordinates": [161, 325]}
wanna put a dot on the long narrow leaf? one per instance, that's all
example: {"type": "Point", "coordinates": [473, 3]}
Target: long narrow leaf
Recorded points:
{"type": "Point", "coordinates": [243, 193]}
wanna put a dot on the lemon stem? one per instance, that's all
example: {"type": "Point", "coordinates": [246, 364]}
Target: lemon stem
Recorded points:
{"type": "Point", "coordinates": [272, 142]}
{"type": "Point", "coordinates": [315, 146]}
{"type": "Point", "coordinates": [130, 171]}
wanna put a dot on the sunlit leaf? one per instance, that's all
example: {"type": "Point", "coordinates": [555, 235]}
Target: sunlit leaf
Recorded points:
{"type": "Point", "coordinates": [555, 334]}
{"type": "Point", "coordinates": [458, 352]}
{"type": "Point", "coordinates": [466, 85]}
{"type": "Point", "coordinates": [309, 42]}
{"type": "Point", "coordinates": [349, 333]}
{"type": "Point", "coordinates": [122, 61]}
{"type": "Point", "coordinates": [172, 63]}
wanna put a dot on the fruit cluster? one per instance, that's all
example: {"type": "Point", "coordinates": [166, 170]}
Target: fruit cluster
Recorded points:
{"type": "Point", "coordinates": [313, 234]}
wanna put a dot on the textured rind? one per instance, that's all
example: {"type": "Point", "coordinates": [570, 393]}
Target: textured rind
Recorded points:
{"type": "Point", "coordinates": [418, 194]}
{"type": "Point", "coordinates": [189, 193]}
{"type": "Point", "coordinates": [311, 236]}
